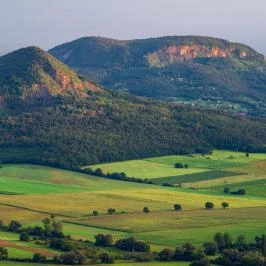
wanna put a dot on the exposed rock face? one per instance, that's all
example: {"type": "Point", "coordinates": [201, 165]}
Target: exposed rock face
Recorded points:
{"type": "Point", "coordinates": [179, 53]}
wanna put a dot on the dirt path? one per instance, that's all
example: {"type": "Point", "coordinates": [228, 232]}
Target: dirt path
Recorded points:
{"type": "Point", "coordinates": [25, 248]}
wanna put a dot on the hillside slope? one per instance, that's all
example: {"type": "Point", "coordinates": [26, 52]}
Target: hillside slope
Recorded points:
{"type": "Point", "coordinates": [203, 70]}
{"type": "Point", "coordinates": [31, 72]}
{"type": "Point", "coordinates": [71, 130]}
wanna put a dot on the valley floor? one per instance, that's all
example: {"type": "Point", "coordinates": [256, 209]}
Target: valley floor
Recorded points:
{"type": "Point", "coordinates": [29, 193]}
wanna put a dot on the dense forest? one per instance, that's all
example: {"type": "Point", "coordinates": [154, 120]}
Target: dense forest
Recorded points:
{"type": "Point", "coordinates": [72, 132]}
{"type": "Point", "coordinates": [50, 115]}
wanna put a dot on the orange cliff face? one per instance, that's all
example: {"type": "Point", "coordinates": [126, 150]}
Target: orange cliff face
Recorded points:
{"type": "Point", "coordinates": [175, 53]}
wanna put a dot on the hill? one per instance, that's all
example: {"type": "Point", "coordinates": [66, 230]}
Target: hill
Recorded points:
{"type": "Point", "coordinates": [32, 73]}
{"type": "Point", "coordinates": [206, 71]}
{"type": "Point", "coordinates": [70, 129]}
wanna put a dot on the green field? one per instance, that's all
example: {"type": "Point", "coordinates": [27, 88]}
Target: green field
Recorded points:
{"type": "Point", "coordinates": [7, 263]}
{"type": "Point", "coordinates": [29, 193]}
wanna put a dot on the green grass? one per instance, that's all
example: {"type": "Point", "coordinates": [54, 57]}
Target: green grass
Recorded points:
{"type": "Point", "coordinates": [256, 187]}
{"type": "Point", "coordinates": [51, 190]}
{"type": "Point", "coordinates": [199, 235]}
{"type": "Point", "coordinates": [145, 169]}
{"type": "Point", "coordinates": [212, 174]}
{"type": "Point", "coordinates": [18, 253]}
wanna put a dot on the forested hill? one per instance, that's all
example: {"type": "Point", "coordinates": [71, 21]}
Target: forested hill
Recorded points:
{"type": "Point", "coordinates": [71, 129]}
{"type": "Point", "coordinates": [209, 72]}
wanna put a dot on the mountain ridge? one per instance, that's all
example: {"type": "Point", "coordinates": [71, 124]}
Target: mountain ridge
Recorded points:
{"type": "Point", "coordinates": [188, 68]}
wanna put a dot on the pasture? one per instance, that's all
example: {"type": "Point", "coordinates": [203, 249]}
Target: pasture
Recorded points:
{"type": "Point", "coordinates": [29, 193]}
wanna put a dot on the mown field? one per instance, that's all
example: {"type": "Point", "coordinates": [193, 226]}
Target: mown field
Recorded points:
{"type": "Point", "coordinates": [29, 193]}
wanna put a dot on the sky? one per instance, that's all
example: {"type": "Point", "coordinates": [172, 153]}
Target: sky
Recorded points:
{"type": "Point", "coordinates": [47, 23]}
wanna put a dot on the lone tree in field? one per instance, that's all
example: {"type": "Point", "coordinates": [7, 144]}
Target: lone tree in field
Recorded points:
{"type": "Point", "coordinates": [146, 210]}
{"type": "Point", "coordinates": [209, 205]}
{"type": "Point", "coordinates": [111, 211]}
{"type": "Point", "coordinates": [225, 204]}
{"type": "Point", "coordinates": [247, 155]}
{"type": "Point", "coordinates": [179, 165]}
{"type": "Point", "coordinates": [178, 207]}
{"type": "Point", "coordinates": [226, 190]}
{"type": "Point", "coordinates": [95, 213]}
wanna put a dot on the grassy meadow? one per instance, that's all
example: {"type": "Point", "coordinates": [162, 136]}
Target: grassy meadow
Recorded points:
{"type": "Point", "coordinates": [29, 193]}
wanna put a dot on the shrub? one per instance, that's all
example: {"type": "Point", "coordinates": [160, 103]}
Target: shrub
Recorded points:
{"type": "Point", "coordinates": [141, 246]}
{"type": "Point", "coordinates": [178, 207]}
{"type": "Point", "coordinates": [226, 190]}
{"type": "Point", "coordinates": [210, 248]}
{"type": "Point", "coordinates": [39, 258]}
{"type": "Point", "coordinates": [95, 213]}
{"type": "Point", "coordinates": [3, 253]}
{"type": "Point", "coordinates": [106, 258]}
{"type": "Point", "coordinates": [179, 165]}
{"type": "Point", "coordinates": [111, 211]}
{"type": "Point", "coordinates": [225, 204]}
{"type": "Point", "coordinates": [103, 240]}
{"type": "Point", "coordinates": [146, 210]}
{"type": "Point", "coordinates": [209, 205]}
{"type": "Point", "coordinates": [166, 254]}
{"type": "Point", "coordinates": [14, 226]}
{"type": "Point", "coordinates": [24, 236]}
{"type": "Point", "coordinates": [203, 262]}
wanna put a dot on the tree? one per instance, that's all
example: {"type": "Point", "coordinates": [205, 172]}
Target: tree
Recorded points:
{"type": "Point", "coordinates": [178, 207]}
{"type": "Point", "coordinates": [210, 248]}
{"type": "Point", "coordinates": [241, 242]}
{"type": "Point", "coordinates": [228, 240]}
{"type": "Point", "coordinates": [203, 262]}
{"type": "Point", "coordinates": [226, 190]}
{"type": "Point", "coordinates": [141, 246]}
{"type": "Point", "coordinates": [14, 226]}
{"type": "Point", "coordinates": [98, 172]}
{"type": "Point", "coordinates": [111, 211]}
{"type": "Point", "coordinates": [146, 210]}
{"type": "Point", "coordinates": [1, 225]}
{"type": "Point", "coordinates": [24, 236]}
{"type": "Point", "coordinates": [95, 213]}
{"type": "Point", "coordinates": [225, 204]}
{"type": "Point", "coordinates": [209, 205]}
{"type": "Point", "coordinates": [253, 258]}
{"type": "Point", "coordinates": [263, 245]}
{"type": "Point", "coordinates": [127, 244]}
{"type": "Point", "coordinates": [106, 258]}
{"type": "Point", "coordinates": [166, 254]}
{"type": "Point", "coordinates": [189, 252]}
{"type": "Point", "coordinates": [179, 165]}
{"type": "Point", "coordinates": [179, 254]}
{"type": "Point", "coordinates": [220, 241]}
{"type": "Point", "coordinates": [39, 258]}
{"type": "Point", "coordinates": [247, 155]}
{"type": "Point", "coordinates": [3, 253]}
{"type": "Point", "coordinates": [104, 240]}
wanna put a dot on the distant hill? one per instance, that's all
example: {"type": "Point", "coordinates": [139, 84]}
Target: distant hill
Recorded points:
{"type": "Point", "coordinates": [50, 115]}
{"type": "Point", "coordinates": [206, 71]}
{"type": "Point", "coordinates": [32, 73]}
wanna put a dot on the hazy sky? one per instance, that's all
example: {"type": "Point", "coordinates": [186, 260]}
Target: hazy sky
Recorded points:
{"type": "Point", "coordinates": [46, 23]}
